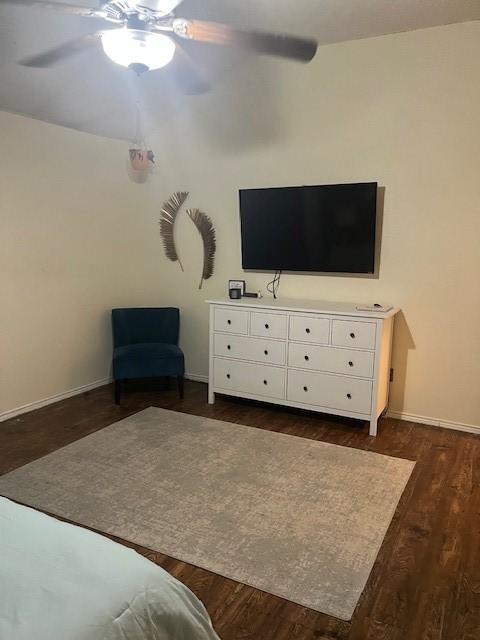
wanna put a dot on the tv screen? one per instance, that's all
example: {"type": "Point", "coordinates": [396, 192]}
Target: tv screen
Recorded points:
{"type": "Point", "coordinates": [327, 228]}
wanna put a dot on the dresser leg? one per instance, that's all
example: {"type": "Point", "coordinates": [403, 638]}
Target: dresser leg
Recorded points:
{"type": "Point", "coordinates": [373, 427]}
{"type": "Point", "coordinates": [211, 396]}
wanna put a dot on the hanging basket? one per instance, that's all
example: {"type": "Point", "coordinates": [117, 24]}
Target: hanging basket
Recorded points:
{"type": "Point", "coordinates": [141, 159]}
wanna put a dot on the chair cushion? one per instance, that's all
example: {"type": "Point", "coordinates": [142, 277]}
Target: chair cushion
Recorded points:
{"type": "Point", "coordinates": [147, 360]}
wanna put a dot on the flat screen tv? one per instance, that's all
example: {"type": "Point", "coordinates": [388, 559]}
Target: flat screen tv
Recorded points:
{"type": "Point", "coordinates": [326, 228]}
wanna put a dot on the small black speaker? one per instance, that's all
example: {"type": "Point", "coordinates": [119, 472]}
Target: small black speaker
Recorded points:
{"type": "Point", "coordinates": [235, 294]}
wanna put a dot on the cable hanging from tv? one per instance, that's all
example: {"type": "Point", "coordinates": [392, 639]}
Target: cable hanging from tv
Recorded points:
{"type": "Point", "coordinates": [272, 286]}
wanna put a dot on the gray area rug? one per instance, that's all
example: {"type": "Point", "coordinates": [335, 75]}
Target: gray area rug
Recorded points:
{"type": "Point", "coordinates": [301, 519]}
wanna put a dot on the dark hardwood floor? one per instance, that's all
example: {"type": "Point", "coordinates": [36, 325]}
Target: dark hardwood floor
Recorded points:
{"type": "Point", "coordinates": [425, 584]}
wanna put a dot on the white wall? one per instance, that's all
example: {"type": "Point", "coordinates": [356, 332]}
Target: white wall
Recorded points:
{"type": "Point", "coordinates": [402, 110]}
{"type": "Point", "coordinates": [73, 244]}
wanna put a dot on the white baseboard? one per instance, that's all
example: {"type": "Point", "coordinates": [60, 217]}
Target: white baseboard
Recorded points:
{"type": "Point", "coordinates": [434, 422]}
{"type": "Point", "coordinates": [38, 404]}
{"type": "Point", "coordinates": [196, 377]}
{"type": "Point", "coordinates": [31, 406]}
{"type": "Point", "coordinates": [399, 415]}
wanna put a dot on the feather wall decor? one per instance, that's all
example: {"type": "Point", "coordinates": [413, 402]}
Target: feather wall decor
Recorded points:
{"type": "Point", "coordinates": [207, 231]}
{"type": "Point", "coordinates": [169, 212]}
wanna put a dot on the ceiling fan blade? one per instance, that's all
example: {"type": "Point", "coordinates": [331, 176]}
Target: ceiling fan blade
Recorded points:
{"type": "Point", "coordinates": [72, 9]}
{"type": "Point", "coordinates": [61, 52]}
{"type": "Point", "coordinates": [187, 74]}
{"type": "Point", "coordinates": [284, 46]}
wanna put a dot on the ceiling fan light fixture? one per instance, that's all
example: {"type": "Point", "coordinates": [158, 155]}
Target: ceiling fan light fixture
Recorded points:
{"type": "Point", "coordinates": [138, 49]}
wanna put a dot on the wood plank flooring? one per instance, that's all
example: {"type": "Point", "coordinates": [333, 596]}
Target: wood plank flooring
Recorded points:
{"type": "Point", "coordinates": [425, 584]}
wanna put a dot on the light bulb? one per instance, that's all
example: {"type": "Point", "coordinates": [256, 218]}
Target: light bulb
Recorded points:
{"type": "Point", "coordinates": [141, 50]}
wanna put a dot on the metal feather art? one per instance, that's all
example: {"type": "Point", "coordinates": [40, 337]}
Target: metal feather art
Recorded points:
{"type": "Point", "coordinates": [169, 211]}
{"type": "Point", "coordinates": [207, 231]}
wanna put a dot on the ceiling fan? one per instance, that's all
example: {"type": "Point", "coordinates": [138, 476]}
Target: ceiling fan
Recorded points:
{"type": "Point", "coordinates": [145, 38]}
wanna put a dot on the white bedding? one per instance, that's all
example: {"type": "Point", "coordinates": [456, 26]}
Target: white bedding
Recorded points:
{"type": "Point", "coordinates": [61, 582]}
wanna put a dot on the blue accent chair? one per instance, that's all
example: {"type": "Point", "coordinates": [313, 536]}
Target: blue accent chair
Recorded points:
{"type": "Point", "coordinates": [145, 345]}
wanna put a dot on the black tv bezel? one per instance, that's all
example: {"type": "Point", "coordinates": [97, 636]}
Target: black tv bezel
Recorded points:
{"type": "Point", "coordinates": [309, 271]}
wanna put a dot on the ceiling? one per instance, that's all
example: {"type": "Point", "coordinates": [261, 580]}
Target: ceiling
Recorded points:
{"type": "Point", "coordinates": [92, 94]}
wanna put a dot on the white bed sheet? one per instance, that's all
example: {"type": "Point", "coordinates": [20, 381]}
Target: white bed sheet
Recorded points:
{"type": "Point", "coordinates": [61, 582]}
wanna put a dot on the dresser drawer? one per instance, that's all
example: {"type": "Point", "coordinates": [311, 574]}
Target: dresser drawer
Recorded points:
{"type": "Point", "coordinates": [331, 359]}
{"type": "Point", "coordinates": [350, 333]}
{"type": "Point", "coordinates": [268, 325]}
{"type": "Point", "coordinates": [333, 392]}
{"type": "Point", "coordinates": [231, 320]}
{"type": "Point", "coordinates": [247, 348]}
{"type": "Point", "coordinates": [244, 377]}
{"type": "Point", "coordinates": [309, 329]}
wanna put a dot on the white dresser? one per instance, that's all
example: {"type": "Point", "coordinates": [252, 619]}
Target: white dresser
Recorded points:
{"type": "Point", "coordinates": [323, 356]}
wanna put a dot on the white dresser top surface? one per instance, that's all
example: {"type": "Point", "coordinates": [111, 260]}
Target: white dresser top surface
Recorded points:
{"type": "Point", "coordinates": [317, 306]}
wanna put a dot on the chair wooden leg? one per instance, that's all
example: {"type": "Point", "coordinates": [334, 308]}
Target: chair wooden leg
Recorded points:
{"type": "Point", "coordinates": [118, 391]}
{"type": "Point", "coordinates": [180, 380]}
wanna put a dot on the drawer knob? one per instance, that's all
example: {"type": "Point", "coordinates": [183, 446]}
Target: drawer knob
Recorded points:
{"type": "Point", "coordinates": [307, 330]}
{"type": "Point", "coordinates": [265, 382]}
{"type": "Point", "coordinates": [307, 358]}
{"type": "Point", "coordinates": [349, 396]}
{"type": "Point", "coordinates": [228, 376]}
{"type": "Point", "coordinates": [266, 352]}
{"type": "Point", "coordinates": [267, 326]}
{"type": "Point", "coordinates": [229, 322]}
{"type": "Point", "coordinates": [352, 335]}
{"type": "Point", "coordinates": [350, 363]}
{"type": "Point", "coordinates": [305, 388]}
{"type": "Point", "coordinates": [228, 347]}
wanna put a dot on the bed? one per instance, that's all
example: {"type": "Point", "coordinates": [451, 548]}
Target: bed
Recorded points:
{"type": "Point", "coordinates": [61, 582]}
